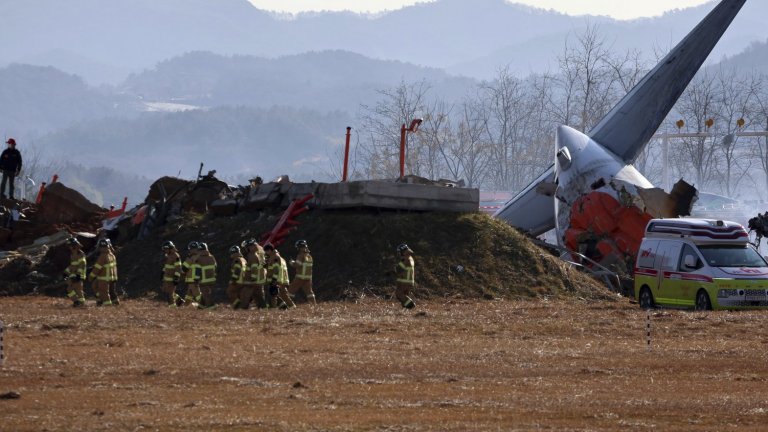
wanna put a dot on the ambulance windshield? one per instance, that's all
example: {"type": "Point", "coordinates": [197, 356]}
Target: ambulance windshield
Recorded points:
{"type": "Point", "coordinates": [732, 256]}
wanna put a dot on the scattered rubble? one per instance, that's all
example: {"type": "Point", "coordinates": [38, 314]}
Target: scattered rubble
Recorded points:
{"type": "Point", "coordinates": [352, 229]}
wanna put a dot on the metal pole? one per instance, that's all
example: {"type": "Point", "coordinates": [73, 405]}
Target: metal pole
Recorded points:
{"type": "Point", "coordinates": [402, 151]}
{"type": "Point", "coordinates": [648, 330]}
{"type": "Point", "coordinates": [2, 343]}
{"type": "Point", "coordinates": [346, 155]}
{"type": "Point", "coordinates": [665, 162]}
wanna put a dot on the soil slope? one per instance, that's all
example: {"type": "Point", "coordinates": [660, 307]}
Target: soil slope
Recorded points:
{"type": "Point", "coordinates": [465, 255]}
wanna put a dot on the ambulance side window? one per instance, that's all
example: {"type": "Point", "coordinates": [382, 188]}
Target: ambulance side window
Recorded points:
{"type": "Point", "coordinates": [669, 253]}
{"type": "Point", "coordinates": [647, 254]}
{"type": "Point", "coordinates": [688, 251]}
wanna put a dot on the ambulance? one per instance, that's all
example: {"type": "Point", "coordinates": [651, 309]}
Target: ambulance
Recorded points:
{"type": "Point", "coordinates": [699, 263]}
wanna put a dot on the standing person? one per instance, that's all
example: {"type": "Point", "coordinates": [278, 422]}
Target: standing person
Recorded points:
{"type": "Point", "coordinates": [101, 274]}
{"type": "Point", "coordinates": [256, 276]}
{"type": "Point", "coordinates": [405, 276]}
{"type": "Point", "coordinates": [205, 275]}
{"type": "Point", "coordinates": [237, 279]}
{"type": "Point", "coordinates": [112, 266]}
{"type": "Point", "coordinates": [277, 277]}
{"type": "Point", "coordinates": [75, 272]}
{"type": "Point", "coordinates": [189, 270]}
{"type": "Point", "coordinates": [10, 165]}
{"type": "Point", "coordinates": [302, 281]}
{"type": "Point", "coordinates": [171, 274]}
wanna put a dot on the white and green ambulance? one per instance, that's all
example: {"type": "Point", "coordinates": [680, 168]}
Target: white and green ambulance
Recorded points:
{"type": "Point", "coordinates": [699, 263]}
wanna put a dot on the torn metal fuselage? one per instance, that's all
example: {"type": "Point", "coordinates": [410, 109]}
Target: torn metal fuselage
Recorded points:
{"type": "Point", "coordinates": [603, 204]}
{"type": "Point", "coordinates": [601, 201]}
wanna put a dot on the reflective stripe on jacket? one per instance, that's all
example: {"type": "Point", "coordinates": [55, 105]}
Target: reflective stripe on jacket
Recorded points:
{"type": "Point", "coordinates": [257, 273]}
{"type": "Point", "coordinates": [172, 267]}
{"type": "Point", "coordinates": [278, 271]}
{"type": "Point", "coordinates": [189, 269]}
{"type": "Point", "coordinates": [238, 271]}
{"type": "Point", "coordinates": [77, 266]}
{"type": "Point", "coordinates": [111, 267]}
{"type": "Point", "coordinates": [303, 265]}
{"type": "Point", "coordinates": [103, 269]}
{"type": "Point", "coordinates": [406, 271]}
{"type": "Point", "coordinates": [207, 269]}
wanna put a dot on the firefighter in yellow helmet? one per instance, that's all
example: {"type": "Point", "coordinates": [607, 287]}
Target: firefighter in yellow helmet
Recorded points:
{"type": "Point", "coordinates": [189, 269]}
{"type": "Point", "coordinates": [75, 272]}
{"type": "Point", "coordinates": [171, 274]}
{"type": "Point", "coordinates": [277, 278]}
{"type": "Point", "coordinates": [102, 274]}
{"type": "Point", "coordinates": [237, 278]}
{"type": "Point", "coordinates": [302, 281]}
{"type": "Point", "coordinates": [205, 275]}
{"type": "Point", "coordinates": [256, 276]}
{"type": "Point", "coordinates": [405, 276]}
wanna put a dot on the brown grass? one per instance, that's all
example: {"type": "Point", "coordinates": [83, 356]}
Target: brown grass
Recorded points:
{"type": "Point", "coordinates": [354, 253]}
{"type": "Point", "coordinates": [449, 365]}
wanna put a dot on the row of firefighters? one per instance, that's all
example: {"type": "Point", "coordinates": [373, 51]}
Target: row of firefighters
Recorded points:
{"type": "Point", "coordinates": [258, 275]}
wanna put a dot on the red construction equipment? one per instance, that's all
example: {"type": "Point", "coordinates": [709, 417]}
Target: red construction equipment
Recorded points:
{"type": "Point", "coordinates": [286, 224]}
{"type": "Point", "coordinates": [39, 197]}
{"type": "Point", "coordinates": [115, 213]}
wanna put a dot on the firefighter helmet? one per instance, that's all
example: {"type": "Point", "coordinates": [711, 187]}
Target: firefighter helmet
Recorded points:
{"type": "Point", "coordinates": [192, 245]}
{"type": "Point", "coordinates": [202, 246]}
{"type": "Point", "coordinates": [234, 250]}
{"type": "Point", "coordinates": [168, 245]}
{"type": "Point", "coordinates": [72, 241]}
{"type": "Point", "coordinates": [404, 248]}
{"type": "Point", "coordinates": [301, 244]}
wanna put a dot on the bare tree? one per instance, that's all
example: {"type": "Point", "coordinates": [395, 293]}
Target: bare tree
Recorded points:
{"type": "Point", "coordinates": [504, 110]}
{"type": "Point", "coordinates": [699, 154]}
{"type": "Point", "coordinates": [380, 140]}
{"type": "Point", "coordinates": [735, 96]}
{"type": "Point", "coordinates": [587, 79]}
{"type": "Point", "coordinates": [436, 134]}
{"type": "Point", "coordinates": [760, 110]}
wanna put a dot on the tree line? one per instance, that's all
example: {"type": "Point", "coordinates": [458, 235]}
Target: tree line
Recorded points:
{"type": "Point", "coordinates": [501, 135]}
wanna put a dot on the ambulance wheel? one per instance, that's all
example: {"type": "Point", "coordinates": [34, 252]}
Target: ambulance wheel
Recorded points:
{"type": "Point", "coordinates": [646, 299]}
{"type": "Point", "coordinates": [702, 301]}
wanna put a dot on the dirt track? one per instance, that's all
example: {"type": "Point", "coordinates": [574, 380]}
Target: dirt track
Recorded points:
{"type": "Point", "coordinates": [449, 365]}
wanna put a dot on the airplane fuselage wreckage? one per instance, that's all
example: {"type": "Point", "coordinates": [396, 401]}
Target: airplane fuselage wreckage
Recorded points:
{"type": "Point", "coordinates": [597, 202]}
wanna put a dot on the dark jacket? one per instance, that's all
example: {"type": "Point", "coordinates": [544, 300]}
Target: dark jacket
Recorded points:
{"type": "Point", "coordinates": [10, 160]}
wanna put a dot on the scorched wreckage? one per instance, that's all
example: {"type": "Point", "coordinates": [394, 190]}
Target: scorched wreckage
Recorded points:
{"type": "Point", "coordinates": [597, 202]}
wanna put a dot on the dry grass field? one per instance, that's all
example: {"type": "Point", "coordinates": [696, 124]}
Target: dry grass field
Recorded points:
{"type": "Point", "coordinates": [452, 365]}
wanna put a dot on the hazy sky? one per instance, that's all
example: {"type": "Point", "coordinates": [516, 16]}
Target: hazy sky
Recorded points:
{"type": "Point", "coordinates": [615, 8]}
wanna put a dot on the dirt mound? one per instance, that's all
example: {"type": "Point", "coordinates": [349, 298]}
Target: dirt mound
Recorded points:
{"type": "Point", "coordinates": [463, 255]}
{"type": "Point", "coordinates": [61, 204]}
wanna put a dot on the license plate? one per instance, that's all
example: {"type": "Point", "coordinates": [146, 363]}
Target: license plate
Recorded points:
{"type": "Point", "coordinates": [754, 298]}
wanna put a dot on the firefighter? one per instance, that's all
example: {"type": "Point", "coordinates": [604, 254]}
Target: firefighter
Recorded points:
{"type": "Point", "coordinates": [302, 280]}
{"type": "Point", "coordinates": [237, 278]}
{"type": "Point", "coordinates": [101, 274]}
{"type": "Point", "coordinates": [75, 272]}
{"type": "Point", "coordinates": [277, 277]}
{"type": "Point", "coordinates": [112, 273]}
{"type": "Point", "coordinates": [205, 275]}
{"type": "Point", "coordinates": [405, 276]}
{"type": "Point", "coordinates": [171, 274]}
{"type": "Point", "coordinates": [189, 268]}
{"type": "Point", "coordinates": [256, 276]}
